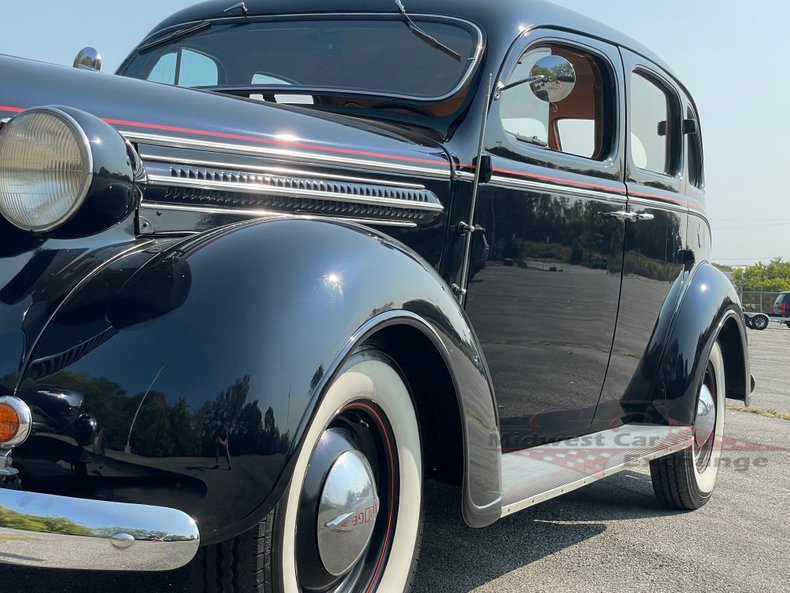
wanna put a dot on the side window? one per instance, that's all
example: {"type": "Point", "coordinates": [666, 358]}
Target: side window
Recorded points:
{"type": "Point", "coordinates": [652, 125]}
{"type": "Point", "coordinates": [694, 149]}
{"type": "Point", "coordinates": [576, 125]}
{"type": "Point", "coordinates": [185, 68]}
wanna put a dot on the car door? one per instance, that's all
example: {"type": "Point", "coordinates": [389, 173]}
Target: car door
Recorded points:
{"type": "Point", "coordinates": [544, 305]}
{"type": "Point", "coordinates": [655, 241]}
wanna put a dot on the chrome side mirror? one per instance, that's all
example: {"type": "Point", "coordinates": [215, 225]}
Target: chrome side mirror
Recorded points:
{"type": "Point", "coordinates": [88, 59]}
{"type": "Point", "coordinates": [551, 79]}
{"type": "Point", "coordinates": [558, 79]}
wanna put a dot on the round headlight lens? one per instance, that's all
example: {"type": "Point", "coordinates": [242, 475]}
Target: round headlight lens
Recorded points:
{"type": "Point", "coordinates": [45, 169]}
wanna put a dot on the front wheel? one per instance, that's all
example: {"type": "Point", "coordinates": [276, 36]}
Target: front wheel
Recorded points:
{"type": "Point", "coordinates": [685, 480]}
{"type": "Point", "coordinates": [351, 518]}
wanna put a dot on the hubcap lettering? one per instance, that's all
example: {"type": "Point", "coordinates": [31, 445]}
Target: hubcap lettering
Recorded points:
{"type": "Point", "coordinates": [347, 512]}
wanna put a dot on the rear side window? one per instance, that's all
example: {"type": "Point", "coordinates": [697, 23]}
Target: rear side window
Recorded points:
{"type": "Point", "coordinates": [577, 125]}
{"type": "Point", "coordinates": [651, 119]}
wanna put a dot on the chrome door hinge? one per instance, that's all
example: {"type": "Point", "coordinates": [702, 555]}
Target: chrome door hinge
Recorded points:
{"type": "Point", "coordinates": [464, 228]}
{"type": "Point", "coordinates": [457, 290]}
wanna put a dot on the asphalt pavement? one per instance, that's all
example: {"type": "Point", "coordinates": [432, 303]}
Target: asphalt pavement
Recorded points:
{"type": "Point", "coordinates": [610, 536]}
{"type": "Point", "coordinates": [769, 352]}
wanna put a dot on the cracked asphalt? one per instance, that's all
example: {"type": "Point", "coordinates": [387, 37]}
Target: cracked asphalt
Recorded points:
{"type": "Point", "coordinates": [610, 536]}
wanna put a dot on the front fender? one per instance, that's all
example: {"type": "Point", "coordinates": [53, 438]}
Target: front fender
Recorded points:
{"type": "Point", "coordinates": [243, 326]}
{"type": "Point", "coordinates": [710, 309]}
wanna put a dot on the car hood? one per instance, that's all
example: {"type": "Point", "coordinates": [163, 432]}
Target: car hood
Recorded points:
{"type": "Point", "coordinates": [142, 110]}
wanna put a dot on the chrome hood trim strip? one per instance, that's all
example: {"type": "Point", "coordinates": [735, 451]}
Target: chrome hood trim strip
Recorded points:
{"type": "Point", "coordinates": [262, 192]}
{"type": "Point", "coordinates": [231, 164]}
{"type": "Point", "coordinates": [155, 206]}
{"type": "Point", "coordinates": [264, 186]}
{"type": "Point", "coordinates": [286, 154]}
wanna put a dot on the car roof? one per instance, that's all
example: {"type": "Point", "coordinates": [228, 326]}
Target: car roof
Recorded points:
{"type": "Point", "coordinates": [503, 20]}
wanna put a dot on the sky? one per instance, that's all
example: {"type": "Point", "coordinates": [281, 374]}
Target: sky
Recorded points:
{"type": "Point", "coordinates": [730, 55]}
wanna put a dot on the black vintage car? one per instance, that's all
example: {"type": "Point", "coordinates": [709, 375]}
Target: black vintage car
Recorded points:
{"type": "Point", "coordinates": [241, 323]}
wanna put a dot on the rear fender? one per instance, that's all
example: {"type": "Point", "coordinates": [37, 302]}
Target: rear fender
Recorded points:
{"type": "Point", "coordinates": [710, 310]}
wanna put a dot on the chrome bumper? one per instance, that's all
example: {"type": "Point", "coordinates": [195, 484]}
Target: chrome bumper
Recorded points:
{"type": "Point", "coordinates": [60, 532]}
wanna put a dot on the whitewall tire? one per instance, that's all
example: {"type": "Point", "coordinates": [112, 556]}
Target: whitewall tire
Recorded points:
{"type": "Point", "coordinates": [685, 480]}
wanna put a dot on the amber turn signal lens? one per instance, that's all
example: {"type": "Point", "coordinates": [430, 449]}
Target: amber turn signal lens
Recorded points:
{"type": "Point", "coordinates": [9, 423]}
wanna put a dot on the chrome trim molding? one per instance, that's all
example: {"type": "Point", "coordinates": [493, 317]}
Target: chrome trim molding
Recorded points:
{"type": "Point", "coordinates": [612, 196]}
{"type": "Point", "coordinates": [538, 186]}
{"type": "Point", "coordinates": [283, 153]}
{"type": "Point", "coordinates": [254, 213]}
{"type": "Point", "coordinates": [48, 531]}
{"type": "Point", "coordinates": [537, 474]}
{"type": "Point", "coordinates": [294, 187]}
{"type": "Point", "coordinates": [660, 204]}
{"type": "Point", "coordinates": [232, 164]}
{"type": "Point", "coordinates": [700, 213]}
{"type": "Point", "coordinates": [254, 193]}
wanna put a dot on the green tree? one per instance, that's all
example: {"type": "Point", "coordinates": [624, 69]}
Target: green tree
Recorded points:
{"type": "Point", "coordinates": [771, 277]}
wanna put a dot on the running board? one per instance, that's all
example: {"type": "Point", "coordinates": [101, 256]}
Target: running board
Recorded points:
{"type": "Point", "coordinates": [533, 475]}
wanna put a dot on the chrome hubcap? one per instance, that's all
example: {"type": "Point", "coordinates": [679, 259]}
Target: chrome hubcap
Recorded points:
{"type": "Point", "coordinates": [705, 423]}
{"type": "Point", "coordinates": [346, 513]}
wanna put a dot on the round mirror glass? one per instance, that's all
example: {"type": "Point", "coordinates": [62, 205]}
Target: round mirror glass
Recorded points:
{"type": "Point", "coordinates": [554, 79]}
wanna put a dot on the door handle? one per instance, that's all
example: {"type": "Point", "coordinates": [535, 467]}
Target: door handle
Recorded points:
{"type": "Point", "coordinates": [622, 215]}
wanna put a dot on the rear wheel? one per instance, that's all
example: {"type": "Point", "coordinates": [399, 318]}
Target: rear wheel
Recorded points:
{"type": "Point", "coordinates": [351, 518]}
{"type": "Point", "coordinates": [685, 480]}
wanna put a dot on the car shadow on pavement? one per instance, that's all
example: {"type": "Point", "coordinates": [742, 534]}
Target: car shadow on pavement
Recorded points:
{"type": "Point", "coordinates": [457, 559]}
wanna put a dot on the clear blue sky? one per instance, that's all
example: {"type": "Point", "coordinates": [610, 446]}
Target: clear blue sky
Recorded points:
{"type": "Point", "coordinates": [731, 55]}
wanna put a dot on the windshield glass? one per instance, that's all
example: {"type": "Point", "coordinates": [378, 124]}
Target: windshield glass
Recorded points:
{"type": "Point", "coordinates": [367, 56]}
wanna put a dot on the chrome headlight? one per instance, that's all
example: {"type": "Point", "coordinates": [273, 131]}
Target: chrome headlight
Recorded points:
{"type": "Point", "coordinates": [64, 169]}
{"type": "Point", "coordinates": [45, 169]}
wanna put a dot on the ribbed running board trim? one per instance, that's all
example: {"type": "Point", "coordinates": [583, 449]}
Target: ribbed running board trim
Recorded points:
{"type": "Point", "coordinates": [540, 473]}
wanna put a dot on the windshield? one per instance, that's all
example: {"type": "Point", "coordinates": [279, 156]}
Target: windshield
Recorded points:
{"type": "Point", "coordinates": [381, 56]}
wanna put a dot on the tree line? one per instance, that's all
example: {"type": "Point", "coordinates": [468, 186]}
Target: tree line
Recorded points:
{"type": "Point", "coordinates": [771, 277]}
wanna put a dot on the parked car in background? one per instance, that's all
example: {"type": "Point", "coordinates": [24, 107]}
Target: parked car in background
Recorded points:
{"type": "Point", "coordinates": [366, 244]}
{"type": "Point", "coordinates": [782, 306]}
